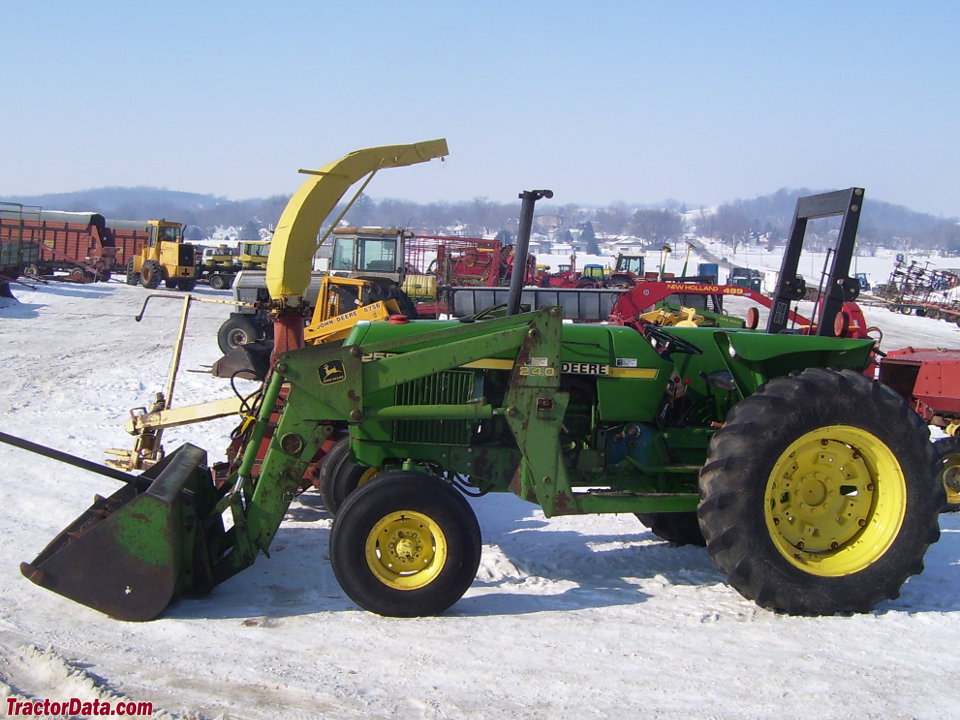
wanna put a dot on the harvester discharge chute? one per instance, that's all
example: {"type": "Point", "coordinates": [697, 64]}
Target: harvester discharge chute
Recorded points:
{"type": "Point", "coordinates": [163, 534]}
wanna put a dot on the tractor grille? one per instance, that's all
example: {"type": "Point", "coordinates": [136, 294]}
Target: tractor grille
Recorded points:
{"type": "Point", "coordinates": [185, 255]}
{"type": "Point", "coordinates": [452, 387]}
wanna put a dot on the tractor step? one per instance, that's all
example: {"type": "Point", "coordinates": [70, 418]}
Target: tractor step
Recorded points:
{"type": "Point", "coordinates": [648, 496]}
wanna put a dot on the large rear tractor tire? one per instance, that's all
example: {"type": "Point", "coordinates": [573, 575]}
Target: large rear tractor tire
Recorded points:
{"type": "Point", "coordinates": [681, 528]}
{"type": "Point", "coordinates": [186, 284]}
{"type": "Point", "coordinates": [407, 306]}
{"type": "Point", "coordinates": [151, 274]}
{"type": "Point", "coordinates": [948, 470]}
{"type": "Point", "coordinates": [392, 292]}
{"type": "Point", "coordinates": [817, 496]}
{"type": "Point", "coordinates": [340, 475]}
{"type": "Point", "coordinates": [620, 281]}
{"type": "Point", "coordinates": [406, 544]}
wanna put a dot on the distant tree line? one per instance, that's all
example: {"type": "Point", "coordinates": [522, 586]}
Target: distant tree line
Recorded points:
{"type": "Point", "coordinates": [763, 219]}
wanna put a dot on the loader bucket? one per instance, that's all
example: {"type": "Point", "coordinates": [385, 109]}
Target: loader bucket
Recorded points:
{"type": "Point", "coordinates": [131, 554]}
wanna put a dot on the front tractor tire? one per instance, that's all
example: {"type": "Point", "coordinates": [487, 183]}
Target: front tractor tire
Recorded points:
{"type": "Point", "coordinates": [680, 528]}
{"type": "Point", "coordinates": [948, 470]}
{"type": "Point", "coordinates": [339, 476]}
{"type": "Point", "coordinates": [406, 544]}
{"type": "Point", "coordinates": [817, 496]}
{"type": "Point", "coordinates": [151, 274]}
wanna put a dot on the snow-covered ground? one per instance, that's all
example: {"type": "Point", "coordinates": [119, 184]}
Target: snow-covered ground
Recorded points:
{"type": "Point", "coordinates": [576, 617]}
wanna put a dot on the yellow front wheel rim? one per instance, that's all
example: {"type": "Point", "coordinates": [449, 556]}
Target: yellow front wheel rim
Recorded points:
{"type": "Point", "coordinates": [835, 501]}
{"type": "Point", "coordinates": [368, 475]}
{"type": "Point", "coordinates": [950, 476]}
{"type": "Point", "coordinates": [406, 550]}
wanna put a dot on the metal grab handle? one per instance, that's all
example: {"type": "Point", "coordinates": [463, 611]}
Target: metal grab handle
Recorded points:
{"type": "Point", "coordinates": [237, 303]}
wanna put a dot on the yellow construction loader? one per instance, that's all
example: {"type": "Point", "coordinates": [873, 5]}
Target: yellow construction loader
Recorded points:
{"type": "Point", "coordinates": [164, 258]}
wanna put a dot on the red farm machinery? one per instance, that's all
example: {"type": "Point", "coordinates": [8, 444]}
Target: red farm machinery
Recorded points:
{"type": "Point", "coordinates": [86, 247]}
{"type": "Point", "coordinates": [915, 289]}
{"type": "Point", "coordinates": [77, 244]}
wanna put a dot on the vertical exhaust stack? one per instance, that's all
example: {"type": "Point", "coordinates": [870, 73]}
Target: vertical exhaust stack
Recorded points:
{"type": "Point", "coordinates": [521, 249]}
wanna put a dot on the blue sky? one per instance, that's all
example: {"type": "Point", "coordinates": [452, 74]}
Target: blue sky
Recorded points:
{"type": "Point", "coordinates": [604, 102]}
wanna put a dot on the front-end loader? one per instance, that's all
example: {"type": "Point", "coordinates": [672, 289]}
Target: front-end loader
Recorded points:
{"type": "Point", "coordinates": [811, 485]}
{"type": "Point", "coordinates": [164, 258]}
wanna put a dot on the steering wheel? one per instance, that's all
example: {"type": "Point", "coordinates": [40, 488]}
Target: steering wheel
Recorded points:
{"type": "Point", "coordinates": [668, 342]}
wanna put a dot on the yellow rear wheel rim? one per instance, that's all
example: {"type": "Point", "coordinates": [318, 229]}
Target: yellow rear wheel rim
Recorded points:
{"type": "Point", "coordinates": [406, 550]}
{"type": "Point", "coordinates": [835, 501]}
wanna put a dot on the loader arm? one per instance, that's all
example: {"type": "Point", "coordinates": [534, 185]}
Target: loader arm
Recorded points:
{"type": "Point", "coordinates": [331, 385]}
{"type": "Point", "coordinates": [295, 239]}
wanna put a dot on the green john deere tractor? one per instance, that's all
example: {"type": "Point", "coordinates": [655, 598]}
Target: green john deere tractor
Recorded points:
{"type": "Point", "coordinates": [812, 487]}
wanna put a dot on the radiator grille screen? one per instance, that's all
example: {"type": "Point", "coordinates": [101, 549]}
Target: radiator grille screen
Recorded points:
{"type": "Point", "coordinates": [452, 387]}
